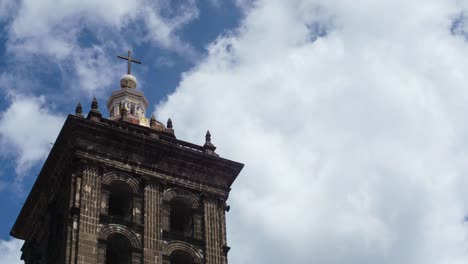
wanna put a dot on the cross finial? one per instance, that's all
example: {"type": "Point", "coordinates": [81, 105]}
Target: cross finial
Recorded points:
{"type": "Point", "coordinates": [129, 61]}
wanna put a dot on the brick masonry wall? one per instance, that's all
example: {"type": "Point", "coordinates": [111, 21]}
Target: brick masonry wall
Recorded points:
{"type": "Point", "coordinates": [87, 252]}
{"type": "Point", "coordinates": [222, 222]}
{"type": "Point", "coordinates": [152, 224]}
{"type": "Point", "coordinates": [72, 225]}
{"type": "Point", "coordinates": [214, 249]}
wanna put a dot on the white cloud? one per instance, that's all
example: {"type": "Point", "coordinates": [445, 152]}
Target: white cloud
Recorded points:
{"type": "Point", "coordinates": [244, 5]}
{"type": "Point", "coordinates": [44, 36]}
{"type": "Point", "coordinates": [10, 251]}
{"type": "Point", "coordinates": [54, 30]}
{"type": "Point", "coordinates": [355, 144]}
{"type": "Point", "coordinates": [27, 129]}
{"type": "Point", "coordinates": [95, 70]}
{"type": "Point", "coordinates": [163, 29]}
{"type": "Point", "coordinates": [7, 8]}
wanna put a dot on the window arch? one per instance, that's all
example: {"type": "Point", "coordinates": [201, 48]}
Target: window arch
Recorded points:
{"type": "Point", "coordinates": [181, 217]}
{"type": "Point", "coordinates": [181, 257]}
{"type": "Point", "coordinates": [118, 244]}
{"type": "Point", "coordinates": [176, 250]}
{"type": "Point", "coordinates": [120, 200]}
{"type": "Point", "coordinates": [118, 249]}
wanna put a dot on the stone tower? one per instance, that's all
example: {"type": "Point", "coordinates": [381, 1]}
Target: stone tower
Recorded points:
{"type": "Point", "coordinates": [125, 190]}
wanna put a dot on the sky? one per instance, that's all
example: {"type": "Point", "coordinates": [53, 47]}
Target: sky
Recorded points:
{"type": "Point", "coordinates": [351, 116]}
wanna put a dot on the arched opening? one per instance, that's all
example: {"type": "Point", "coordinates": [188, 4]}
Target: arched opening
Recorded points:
{"type": "Point", "coordinates": [118, 250]}
{"type": "Point", "coordinates": [120, 200]}
{"type": "Point", "coordinates": [181, 257]}
{"type": "Point", "coordinates": [132, 108]}
{"type": "Point", "coordinates": [181, 217]}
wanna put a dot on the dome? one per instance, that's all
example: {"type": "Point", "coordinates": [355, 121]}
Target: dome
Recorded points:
{"type": "Point", "coordinates": [128, 81]}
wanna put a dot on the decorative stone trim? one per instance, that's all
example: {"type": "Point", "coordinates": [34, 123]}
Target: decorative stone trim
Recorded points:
{"type": "Point", "coordinates": [109, 177]}
{"type": "Point", "coordinates": [109, 229]}
{"type": "Point", "coordinates": [172, 246]}
{"type": "Point", "coordinates": [172, 193]}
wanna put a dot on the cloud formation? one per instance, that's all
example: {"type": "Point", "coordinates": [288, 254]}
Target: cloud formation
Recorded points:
{"type": "Point", "coordinates": [53, 28]}
{"type": "Point", "coordinates": [350, 118]}
{"type": "Point", "coordinates": [65, 45]}
{"type": "Point", "coordinates": [353, 135]}
{"type": "Point", "coordinates": [10, 251]}
{"type": "Point", "coordinates": [56, 31]}
{"type": "Point", "coordinates": [27, 129]}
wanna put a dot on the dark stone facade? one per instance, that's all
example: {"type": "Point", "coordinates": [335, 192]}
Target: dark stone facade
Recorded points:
{"type": "Point", "coordinates": [116, 192]}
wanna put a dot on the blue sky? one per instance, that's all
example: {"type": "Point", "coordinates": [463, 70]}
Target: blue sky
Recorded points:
{"type": "Point", "coordinates": [350, 118]}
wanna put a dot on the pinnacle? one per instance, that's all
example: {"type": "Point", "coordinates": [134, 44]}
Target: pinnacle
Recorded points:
{"type": "Point", "coordinates": [169, 123]}
{"type": "Point", "coordinates": [94, 104]}
{"type": "Point", "coordinates": [79, 110]}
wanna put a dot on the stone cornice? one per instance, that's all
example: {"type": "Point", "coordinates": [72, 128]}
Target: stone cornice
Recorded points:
{"type": "Point", "coordinates": [147, 151]}
{"type": "Point", "coordinates": [154, 174]}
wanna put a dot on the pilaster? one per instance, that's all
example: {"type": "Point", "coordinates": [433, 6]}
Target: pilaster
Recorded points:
{"type": "Point", "coordinates": [89, 215]}
{"type": "Point", "coordinates": [152, 223]}
{"type": "Point", "coordinates": [214, 247]}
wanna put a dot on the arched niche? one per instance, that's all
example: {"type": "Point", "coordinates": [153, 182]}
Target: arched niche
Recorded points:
{"type": "Point", "coordinates": [181, 213]}
{"type": "Point", "coordinates": [120, 200]}
{"type": "Point", "coordinates": [118, 249]}
{"type": "Point", "coordinates": [178, 251]}
{"type": "Point", "coordinates": [191, 198]}
{"type": "Point", "coordinates": [110, 177]}
{"type": "Point", "coordinates": [119, 245]}
{"type": "Point", "coordinates": [181, 217]}
{"type": "Point", "coordinates": [110, 229]}
{"type": "Point", "coordinates": [119, 197]}
{"type": "Point", "coordinates": [181, 257]}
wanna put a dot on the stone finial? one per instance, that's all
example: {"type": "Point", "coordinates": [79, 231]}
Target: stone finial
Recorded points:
{"type": "Point", "coordinates": [152, 121]}
{"type": "Point", "coordinates": [209, 147]}
{"type": "Point", "coordinates": [94, 104]}
{"type": "Point", "coordinates": [169, 128]}
{"type": "Point", "coordinates": [128, 81]}
{"type": "Point", "coordinates": [208, 136]}
{"type": "Point", "coordinates": [169, 124]}
{"type": "Point", "coordinates": [79, 110]}
{"type": "Point", "coordinates": [94, 113]}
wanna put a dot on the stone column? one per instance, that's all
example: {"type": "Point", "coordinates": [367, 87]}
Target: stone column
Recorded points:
{"type": "Point", "coordinates": [89, 215]}
{"type": "Point", "coordinates": [72, 229]}
{"type": "Point", "coordinates": [214, 247]}
{"type": "Point", "coordinates": [222, 221]}
{"type": "Point", "coordinates": [197, 225]}
{"type": "Point", "coordinates": [101, 254]}
{"type": "Point", "coordinates": [152, 223]}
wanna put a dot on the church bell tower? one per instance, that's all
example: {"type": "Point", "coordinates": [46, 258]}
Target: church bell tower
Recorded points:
{"type": "Point", "coordinates": [125, 190]}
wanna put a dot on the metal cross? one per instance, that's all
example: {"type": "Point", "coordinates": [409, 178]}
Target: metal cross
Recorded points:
{"type": "Point", "coordinates": [130, 60]}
